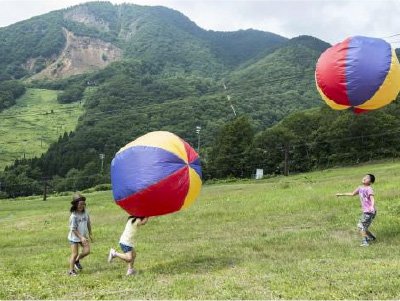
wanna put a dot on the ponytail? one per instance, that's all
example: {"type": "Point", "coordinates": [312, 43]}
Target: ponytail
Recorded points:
{"type": "Point", "coordinates": [74, 206]}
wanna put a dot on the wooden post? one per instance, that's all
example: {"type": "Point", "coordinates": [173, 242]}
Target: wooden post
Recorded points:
{"type": "Point", "coordinates": [45, 186]}
{"type": "Point", "coordinates": [286, 150]}
{"type": "Point", "coordinates": [44, 189]}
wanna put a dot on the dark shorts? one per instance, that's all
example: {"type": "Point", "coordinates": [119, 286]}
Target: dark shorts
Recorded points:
{"type": "Point", "coordinates": [74, 242]}
{"type": "Point", "coordinates": [365, 221]}
{"type": "Point", "coordinates": [125, 248]}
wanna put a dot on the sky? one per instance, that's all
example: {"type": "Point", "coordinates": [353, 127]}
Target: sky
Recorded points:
{"type": "Point", "coordinates": [329, 20]}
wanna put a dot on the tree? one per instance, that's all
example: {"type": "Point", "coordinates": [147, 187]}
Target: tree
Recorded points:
{"type": "Point", "coordinates": [227, 157]}
{"type": "Point", "coordinates": [267, 150]}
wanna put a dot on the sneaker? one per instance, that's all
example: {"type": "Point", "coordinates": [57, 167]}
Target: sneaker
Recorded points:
{"type": "Point", "coordinates": [131, 272]}
{"type": "Point", "coordinates": [364, 244]}
{"type": "Point", "coordinates": [78, 265]}
{"type": "Point", "coordinates": [370, 236]}
{"type": "Point", "coordinates": [111, 255]}
{"type": "Point", "coordinates": [73, 273]}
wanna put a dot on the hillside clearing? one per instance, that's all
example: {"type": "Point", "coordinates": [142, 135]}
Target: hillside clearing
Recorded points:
{"type": "Point", "coordinates": [28, 128]}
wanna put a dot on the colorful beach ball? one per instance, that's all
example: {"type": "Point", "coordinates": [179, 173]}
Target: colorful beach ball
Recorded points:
{"type": "Point", "coordinates": [360, 73]}
{"type": "Point", "coordinates": [156, 174]}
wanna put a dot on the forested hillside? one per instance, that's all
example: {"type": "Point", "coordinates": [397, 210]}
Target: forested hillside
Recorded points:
{"type": "Point", "coordinates": [164, 37]}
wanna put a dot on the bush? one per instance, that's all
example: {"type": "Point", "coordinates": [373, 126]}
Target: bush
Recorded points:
{"type": "Point", "coordinates": [102, 187]}
{"type": "Point", "coordinates": [71, 94]}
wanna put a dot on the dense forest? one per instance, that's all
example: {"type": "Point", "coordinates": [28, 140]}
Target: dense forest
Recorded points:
{"type": "Point", "coordinates": [251, 92]}
{"type": "Point", "coordinates": [10, 90]}
{"type": "Point", "coordinates": [312, 139]}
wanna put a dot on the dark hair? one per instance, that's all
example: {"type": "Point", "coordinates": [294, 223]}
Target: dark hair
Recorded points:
{"type": "Point", "coordinates": [372, 177]}
{"type": "Point", "coordinates": [134, 218]}
{"type": "Point", "coordinates": [76, 198]}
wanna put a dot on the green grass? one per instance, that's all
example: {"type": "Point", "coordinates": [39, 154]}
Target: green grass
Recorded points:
{"type": "Point", "coordinates": [29, 127]}
{"type": "Point", "coordinates": [281, 238]}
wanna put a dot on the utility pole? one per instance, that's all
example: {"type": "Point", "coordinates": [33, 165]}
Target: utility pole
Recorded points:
{"type": "Point", "coordinates": [198, 129]}
{"type": "Point", "coordinates": [102, 156]}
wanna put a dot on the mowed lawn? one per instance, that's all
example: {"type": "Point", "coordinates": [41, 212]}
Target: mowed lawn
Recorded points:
{"type": "Point", "coordinates": [29, 127]}
{"type": "Point", "coordinates": [279, 238]}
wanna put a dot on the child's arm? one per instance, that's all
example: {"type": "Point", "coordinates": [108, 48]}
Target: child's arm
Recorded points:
{"type": "Point", "coordinates": [372, 202]}
{"type": "Point", "coordinates": [90, 231]}
{"type": "Point", "coordinates": [81, 237]}
{"type": "Point", "coordinates": [143, 221]}
{"type": "Point", "coordinates": [89, 225]}
{"type": "Point", "coordinates": [355, 192]}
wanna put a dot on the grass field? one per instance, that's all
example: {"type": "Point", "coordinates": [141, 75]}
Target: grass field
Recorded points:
{"type": "Point", "coordinates": [280, 238]}
{"type": "Point", "coordinates": [37, 120]}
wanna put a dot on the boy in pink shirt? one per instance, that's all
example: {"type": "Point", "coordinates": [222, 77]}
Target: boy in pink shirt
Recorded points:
{"type": "Point", "coordinates": [367, 200]}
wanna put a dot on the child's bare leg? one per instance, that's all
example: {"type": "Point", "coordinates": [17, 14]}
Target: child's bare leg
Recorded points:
{"type": "Point", "coordinates": [130, 264]}
{"type": "Point", "coordinates": [85, 252]}
{"type": "Point", "coordinates": [74, 255]}
{"type": "Point", "coordinates": [126, 256]}
{"type": "Point", "coordinates": [369, 233]}
{"type": "Point", "coordinates": [131, 271]}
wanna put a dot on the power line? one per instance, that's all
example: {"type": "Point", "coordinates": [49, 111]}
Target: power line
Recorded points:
{"type": "Point", "coordinates": [391, 36]}
{"type": "Point", "coordinates": [395, 42]}
{"type": "Point", "coordinates": [351, 138]}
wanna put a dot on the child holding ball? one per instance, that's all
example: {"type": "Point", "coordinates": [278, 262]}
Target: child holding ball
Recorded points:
{"type": "Point", "coordinates": [127, 244]}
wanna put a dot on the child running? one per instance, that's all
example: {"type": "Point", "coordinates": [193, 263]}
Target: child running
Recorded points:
{"type": "Point", "coordinates": [367, 199]}
{"type": "Point", "coordinates": [80, 229]}
{"type": "Point", "coordinates": [127, 244]}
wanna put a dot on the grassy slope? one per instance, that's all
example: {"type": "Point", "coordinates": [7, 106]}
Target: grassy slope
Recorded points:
{"type": "Point", "coordinates": [27, 128]}
{"type": "Point", "coordinates": [282, 238]}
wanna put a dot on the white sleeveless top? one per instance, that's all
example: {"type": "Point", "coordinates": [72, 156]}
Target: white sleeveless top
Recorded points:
{"type": "Point", "coordinates": [129, 232]}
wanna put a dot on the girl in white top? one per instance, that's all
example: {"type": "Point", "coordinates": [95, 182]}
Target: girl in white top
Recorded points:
{"type": "Point", "coordinates": [127, 244]}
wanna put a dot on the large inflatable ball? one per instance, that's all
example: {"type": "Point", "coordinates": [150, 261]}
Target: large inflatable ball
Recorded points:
{"type": "Point", "coordinates": [156, 174]}
{"type": "Point", "coordinates": [360, 73]}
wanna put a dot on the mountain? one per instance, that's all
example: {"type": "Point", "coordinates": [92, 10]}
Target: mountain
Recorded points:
{"type": "Point", "coordinates": [151, 68]}
{"type": "Point", "coordinates": [90, 36]}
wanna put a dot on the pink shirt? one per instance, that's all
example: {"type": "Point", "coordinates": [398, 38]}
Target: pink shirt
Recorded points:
{"type": "Point", "coordinates": [365, 193]}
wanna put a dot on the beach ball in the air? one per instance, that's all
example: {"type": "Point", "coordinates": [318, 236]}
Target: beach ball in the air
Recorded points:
{"type": "Point", "coordinates": [360, 73]}
{"type": "Point", "coordinates": [156, 174]}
